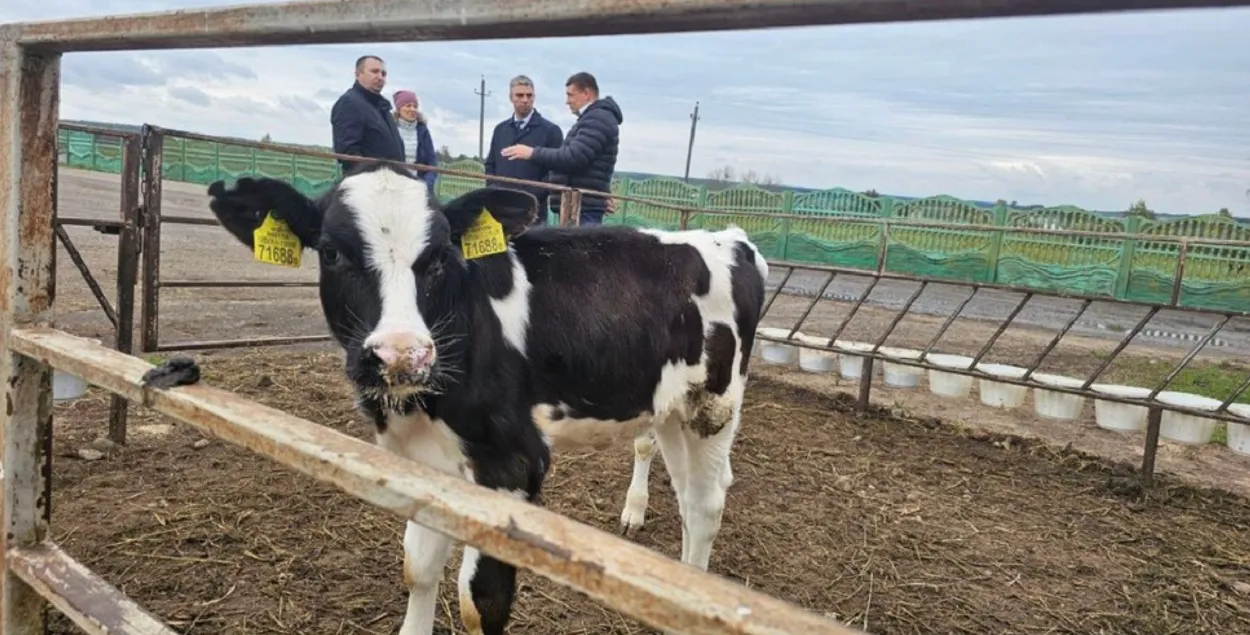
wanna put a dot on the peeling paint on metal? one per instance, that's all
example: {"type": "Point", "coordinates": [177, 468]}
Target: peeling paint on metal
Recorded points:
{"type": "Point", "coordinates": [374, 21]}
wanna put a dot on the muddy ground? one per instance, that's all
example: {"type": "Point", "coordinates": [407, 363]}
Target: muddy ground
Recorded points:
{"type": "Point", "coordinates": [892, 521]}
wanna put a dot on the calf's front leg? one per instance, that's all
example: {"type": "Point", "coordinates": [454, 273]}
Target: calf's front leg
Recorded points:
{"type": "Point", "coordinates": [425, 554]}
{"type": "Point", "coordinates": [488, 586]}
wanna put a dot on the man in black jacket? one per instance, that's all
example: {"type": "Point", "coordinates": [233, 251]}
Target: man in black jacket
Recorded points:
{"type": "Point", "coordinates": [587, 158]}
{"type": "Point", "coordinates": [361, 119]}
{"type": "Point", "coordinates": [525, 125]}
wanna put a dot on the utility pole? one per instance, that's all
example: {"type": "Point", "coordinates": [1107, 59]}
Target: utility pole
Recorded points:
{"type": "Point", "coordinates": [481, 119]}
{"type": "Point", "coordinates": [694, 122]}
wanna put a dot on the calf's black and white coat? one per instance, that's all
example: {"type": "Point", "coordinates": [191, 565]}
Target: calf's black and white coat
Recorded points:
{"type": "Point", "coordinates": [590, 335]}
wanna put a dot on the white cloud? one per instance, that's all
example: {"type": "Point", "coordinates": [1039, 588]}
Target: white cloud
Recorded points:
{"type": "Point", "coordinates": [1095, 111]}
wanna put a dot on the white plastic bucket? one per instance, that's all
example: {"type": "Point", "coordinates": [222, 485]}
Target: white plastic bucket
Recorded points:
{"type": "Point", "coordinates": [774, 353]}
{"type": "Point", "coordinates": [1238, 437]}
{"type": "Point", "coordinates": [997, 394]}
{"type": "Point", "coordinates": [949, 384]}
{"type": "Point", "coordinates": [1120, 417]}
{"type": "Point", "coordinates": [901, 375]}
{"type": "Point", "coordinates": [1186, 428]}
{"type": "Point", "coordinates": [1052, 404]}
{"type": "Point", "coordinates": [68, 386]}
{"type": "Point", "coordinates": [815, 361]}
{"type": "Point", "coordinates": [852, 366]}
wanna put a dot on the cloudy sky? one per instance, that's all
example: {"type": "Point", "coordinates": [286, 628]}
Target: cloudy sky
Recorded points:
{"type": "Point", "coordinates": [1094, 111]}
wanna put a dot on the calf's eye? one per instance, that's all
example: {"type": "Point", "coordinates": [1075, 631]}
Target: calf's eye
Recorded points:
{"type": "Point", "coordinates": [329, 256]}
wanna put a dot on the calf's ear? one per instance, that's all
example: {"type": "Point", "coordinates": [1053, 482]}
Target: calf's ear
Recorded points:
{"type": "Point", "coordinates": [513, 209]}
{"type": "Point", "coordinates": [242, 208]}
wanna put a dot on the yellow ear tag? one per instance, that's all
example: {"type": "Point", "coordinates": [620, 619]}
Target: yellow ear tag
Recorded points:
{"type": "Point", "coordinates": [483, 238]}
{"type": "Point", "coordinates": [274, 243]}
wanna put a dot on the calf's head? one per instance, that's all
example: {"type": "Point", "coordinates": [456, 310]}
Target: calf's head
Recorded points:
{"type": "Point", "coordinates": [393, 277]}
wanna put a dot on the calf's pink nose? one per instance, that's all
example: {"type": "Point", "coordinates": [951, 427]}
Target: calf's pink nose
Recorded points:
{"type": "Point", "coordinates": [402, 351]}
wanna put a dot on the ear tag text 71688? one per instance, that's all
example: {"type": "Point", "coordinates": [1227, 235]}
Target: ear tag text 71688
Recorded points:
{"type": "Point", "coordinates": [274, 243]}
{"type": "Point", "coordinates": [483, 238]}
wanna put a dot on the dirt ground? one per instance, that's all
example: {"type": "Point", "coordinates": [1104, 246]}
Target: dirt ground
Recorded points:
{"type": "Point", "coordinates": [897, 524]}
{"type": "Point", "coordinates": [985, 522]}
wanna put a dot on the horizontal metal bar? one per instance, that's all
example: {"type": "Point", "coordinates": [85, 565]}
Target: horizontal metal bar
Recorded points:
{"type": "Point", "coordinates": [376, 21]}
{"type": "Point", "coordinates": [231, 284]}
{"type": "Point", "coordinates": [631, 578]}
{"type": "Point", "coordinates": [889, 275]}
{"type": "Point", "coordinates": [97, 130]}
{"type": "Point", "coordinates": [90, 222]}
{"type": "Point", "coordinates": [259, 341]}
{"type": "Point", "coordinates": [1031, 383]}
{"type": "Point", "coordinates": [188, 220]}
{"type": "Point", "coordinates": [92, 603]}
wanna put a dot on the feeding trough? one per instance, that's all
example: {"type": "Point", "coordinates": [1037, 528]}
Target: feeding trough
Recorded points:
{"type": "Point", "coordinates": [1120, 417]}
{"type": "Point", "coordinates": [998, 394]}
{"type": "Point", "coordinates": [1186, 428]}
{"type": "Point", "coordinates": [901, 375]}
{"type": "Point", "coordinates": [1238, 437]}
{"type": "Point", "coordinates": [815, 361]}
{"type": "Point", "coordinates": [774, 353]}
{"type": "Point", "coordinates": [852, 366]}
{"type": "Point", "coordinates": [1052, 404]}
{"type": "Point", "coordinates": [949, 384]}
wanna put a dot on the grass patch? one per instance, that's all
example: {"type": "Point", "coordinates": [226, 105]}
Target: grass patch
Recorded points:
{"type": "Point", "coordinates": [1216, 380]}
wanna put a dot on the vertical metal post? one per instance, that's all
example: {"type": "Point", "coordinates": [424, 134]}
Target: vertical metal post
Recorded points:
{"type": "Point", "coordinates": [29, 101]}
{"type": "Point", "coordinates": [127, 272]}
{"type": "Point", "coordinates": [570, 208]}
{"type": "Point", "coordinates": [694, 124]}
{"type": "Point", "coordinates": [865, 385]}
{"type": "Point", "coordinates": [1178, 281]}
{"type": "Point", "coordinates": [1154, 419]}
{"type": "Point", "coordinates": [150, 315]}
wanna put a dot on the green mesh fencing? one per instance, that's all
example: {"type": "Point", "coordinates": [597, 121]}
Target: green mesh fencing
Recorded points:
{"type": "Point", "coordinates": [815, 230]}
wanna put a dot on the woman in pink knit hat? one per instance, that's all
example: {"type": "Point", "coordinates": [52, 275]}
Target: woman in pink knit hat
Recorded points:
{"type": "Point", "coordinates": [418, 144]}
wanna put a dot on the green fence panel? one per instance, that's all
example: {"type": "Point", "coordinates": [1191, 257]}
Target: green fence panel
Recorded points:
{"type": "Point", "coordinates": [660, 190]}
{"type": "Point", "coordinates": [767, 233]}
{"type": "Point", "coordinates": [1067, 264]}
{"type": "Point", "coordinates": [448, 186]}
{"type": "Point", "coordinates": [1214, 278]}
{"type": "Point", "coordinates": [826, 238]}
{"type": "Point", "coordinates": [954, 254]}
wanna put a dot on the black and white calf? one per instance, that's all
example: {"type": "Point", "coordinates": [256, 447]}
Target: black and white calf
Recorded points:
{"type": "Point", "coordinates": [476, 367]}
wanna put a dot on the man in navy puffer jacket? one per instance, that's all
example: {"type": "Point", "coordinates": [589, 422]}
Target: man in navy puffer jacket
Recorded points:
{"type": "Point", "coordinates": [587, 159]}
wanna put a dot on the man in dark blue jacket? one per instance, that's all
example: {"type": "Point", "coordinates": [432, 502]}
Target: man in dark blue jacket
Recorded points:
{"type": "Point", "coordinates": [525, 125]}
{"type": "Point", "coordinates": [361, 119]}
{"type": "Point", "coordinates": [587, 158]}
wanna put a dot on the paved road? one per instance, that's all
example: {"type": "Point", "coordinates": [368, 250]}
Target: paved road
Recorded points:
{"type": "Point", "coordinates": [1102, 319]}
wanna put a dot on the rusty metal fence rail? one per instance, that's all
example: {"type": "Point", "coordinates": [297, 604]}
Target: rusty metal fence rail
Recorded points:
{"type": "Point", "coordinates": [628, 577]}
